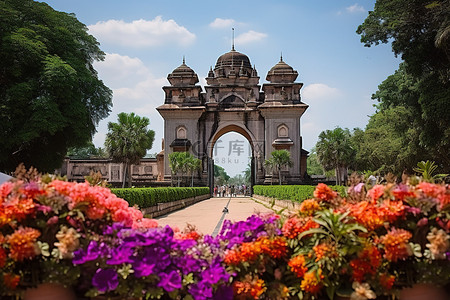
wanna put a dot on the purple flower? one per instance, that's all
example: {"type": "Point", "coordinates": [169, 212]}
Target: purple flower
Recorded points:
{"type": "Point", "coordinates": [105, 280]}
{"type": "Point", "coordinates": [187, 264]}
{"type": "Point", "coordinates": [214, 274]}
{"type": "Point", "coordinates": [92, 252]}
{"type": "Point", "coordinates": [170, 281]}
{"type": "Point", "coordinates": [201, 291]}
{"type": "Point", "coordinates": [121, 255]}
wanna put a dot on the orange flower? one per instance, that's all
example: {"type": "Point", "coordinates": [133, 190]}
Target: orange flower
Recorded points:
{"type": "Point", "coordinates": [22, 243]}
{"type": "Point", "coordinates": [367, 214]}
{"type": "Point", "coordinates": [368, 261]}
{"type": "Point", "coordinates": [11, 280]}
{"type": "Point", "coordinates": [250, 287]}
{"type": "Point", "coordinates": [387, 281]}
{"type": "Point", "coordinates": [324, 250]}
{"type": "Point", "coordinates": [295, 226]}
{"type": "Point", "coordinates": [309, 207]}
{"type": "Point", "coordinates": [396, 244]}
{"type": "Point", "coordinates": [324, 192]}
{"type": "Point", "coordinates": [392, 210]}
{"type": "Point", "coordinates": [311, 282]}
{"type": "Point", "coordinates": [276, 248]}
{"type": "Point", "coordinates": [298, 265]}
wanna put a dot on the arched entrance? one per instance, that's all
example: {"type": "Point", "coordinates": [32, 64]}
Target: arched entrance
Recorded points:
{"type": "Point", "coordinates": [232, 154]}
{"type": "Point", "coordinates": [233, 101]}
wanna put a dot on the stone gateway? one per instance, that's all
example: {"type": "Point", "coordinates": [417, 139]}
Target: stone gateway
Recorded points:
{"type": "Point", "coordinates": [233, 100]}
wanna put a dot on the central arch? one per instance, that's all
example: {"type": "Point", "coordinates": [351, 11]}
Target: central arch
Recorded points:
{"type": "Point", "coordinates": [220, 131]}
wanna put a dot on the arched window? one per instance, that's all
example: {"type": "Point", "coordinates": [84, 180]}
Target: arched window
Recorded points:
{"type": "Point", "coordinates": [283, 131]}
{"type": "Point", "coordinates": [181, 132]}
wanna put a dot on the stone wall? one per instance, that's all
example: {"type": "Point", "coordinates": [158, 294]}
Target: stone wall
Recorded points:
{"type": "Point", "coordinates": [146, 173]}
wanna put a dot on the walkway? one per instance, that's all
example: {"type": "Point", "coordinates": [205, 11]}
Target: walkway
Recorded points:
{"type": "Point", "coordinates": [208, 215]}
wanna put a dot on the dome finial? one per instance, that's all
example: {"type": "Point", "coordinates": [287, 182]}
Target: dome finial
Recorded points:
{"type": "Point", "coordinates": [281, 56]}
{"type": "Point", "coordinates": [232, 39]}
{"type": "Point", "coordinates": [184, 60]}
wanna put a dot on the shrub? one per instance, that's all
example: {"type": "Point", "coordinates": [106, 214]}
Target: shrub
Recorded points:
{"type": "Point", "coordinates": [296, 193]}
{"type": "Point", "coordinates": [146, 197]}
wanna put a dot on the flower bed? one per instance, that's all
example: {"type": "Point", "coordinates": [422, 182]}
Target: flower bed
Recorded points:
{"type": "Point", "coordinates": [87, 238]}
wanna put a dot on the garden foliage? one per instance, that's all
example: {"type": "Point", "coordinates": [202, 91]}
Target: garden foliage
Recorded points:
{"type": "Point", "coordinates": [146, 197]}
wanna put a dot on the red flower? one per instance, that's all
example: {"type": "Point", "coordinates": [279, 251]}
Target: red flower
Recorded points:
{"type": "Point", "coordinates": [324, 192]}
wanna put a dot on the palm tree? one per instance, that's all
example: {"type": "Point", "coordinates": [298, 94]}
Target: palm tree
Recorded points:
{"type": "Point", "coordinates": [176, 164]}
{"type": "Point", "coordinates": [280, 159]}
{"type": "Point", "coordinates": [335, 151]}
{"type": "Point", "coordinates": [269, 165]}
{"type": "Point", "coordinates": [193, 164]}
{"type": "Point", "coordinates": [128, 141]}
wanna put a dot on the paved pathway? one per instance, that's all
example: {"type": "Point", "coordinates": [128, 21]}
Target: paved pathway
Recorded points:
{"type": "Point", "coordinates": [208, 215]}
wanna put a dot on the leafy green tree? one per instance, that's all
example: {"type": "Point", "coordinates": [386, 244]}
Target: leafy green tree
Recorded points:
{"type": "Point", "coordinates": [335, 151]}
{"type": "Point", "coordinates": [220, 175]}
{"type": "Point", "coordinates": [420, 33]}
{"type": "Point", "coordinates": [313, 164]}
{"type": "Point", "coordinates": [50, 96]}
{"type": "Point", "coordinates": [280, 159]}
{"type": "Point", "coordinates": [389, 142]}
{"type": "Point", "coordinates": [128, 141]}
{"type": "Point", "coordinates": [86, 152]}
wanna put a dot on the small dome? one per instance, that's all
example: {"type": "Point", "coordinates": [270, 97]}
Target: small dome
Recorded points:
{"type": "Point", "coordinates": [183, 75]}
{"type": "Point", "coordinates": [281, 73]}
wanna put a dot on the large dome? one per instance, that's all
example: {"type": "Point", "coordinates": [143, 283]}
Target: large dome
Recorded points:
{"type": "Point", "coordinates": [233, 58]}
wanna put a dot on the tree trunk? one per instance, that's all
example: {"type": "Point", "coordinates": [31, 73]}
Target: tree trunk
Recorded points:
{"type": "Point", "coordinates": [192, 179]}
{"type": "Point", "coordinates": [279, 174]}
{"type": "Point", "coordinates": [124, 175]}
{"type": "Point", "coordinates": [130, 176]}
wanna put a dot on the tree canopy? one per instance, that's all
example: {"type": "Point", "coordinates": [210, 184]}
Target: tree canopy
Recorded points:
{"type": "Point", "coordinates": [128, 140]}
{"type": "Point", "coordinates": [50, 96]}
{"type": "Point", "coordinates": [420, 33]}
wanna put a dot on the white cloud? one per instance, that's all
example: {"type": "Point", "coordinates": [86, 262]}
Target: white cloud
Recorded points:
{"type": "Point", "coordinates": [222, 23]}
{"type": "Point", "coordinates": [355, 8]}
{"type": "Point", "coordinates": [135, 89]}
{"type": "Point", "coordinates": [250, 37]}
{"type": "Point", "coordinates": [320, 91]}
{"type": "Point", "coordinates": [141, 33]}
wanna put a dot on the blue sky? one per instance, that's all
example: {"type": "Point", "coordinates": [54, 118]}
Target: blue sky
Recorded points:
{"type": "Point", "coordinates": [145, 40]}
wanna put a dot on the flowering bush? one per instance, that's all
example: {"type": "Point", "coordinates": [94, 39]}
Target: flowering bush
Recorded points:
{"type": "Point", "coordinates": [154, 263]}
{"type": "Point", "coordinates": [398, 235]}
{"type": "Point", "coordinates": [43, 220]}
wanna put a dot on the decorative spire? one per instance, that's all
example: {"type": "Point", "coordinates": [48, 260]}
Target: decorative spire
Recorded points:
{"type": "Point", "coordinates": [281, 57]}
{"type": "Point", "coordinates": [232, 39]}
{"type": "Point", "coordinates": [184, 60]}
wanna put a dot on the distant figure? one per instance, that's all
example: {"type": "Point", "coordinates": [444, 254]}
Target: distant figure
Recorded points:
{"type": "Point", "coordinates": [232, 191]}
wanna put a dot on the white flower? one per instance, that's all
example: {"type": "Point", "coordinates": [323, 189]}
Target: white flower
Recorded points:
{"type": "Point", "coordinates": [362, 291]}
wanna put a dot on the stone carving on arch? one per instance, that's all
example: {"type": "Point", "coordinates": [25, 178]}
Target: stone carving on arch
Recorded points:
{"type": "Point", "coordinates": [231, 100]}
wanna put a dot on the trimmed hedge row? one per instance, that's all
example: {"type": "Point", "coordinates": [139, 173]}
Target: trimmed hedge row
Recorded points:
{"type": "Point", "coordinates": [296, 193]}
{"type": "Point", "coordinates": [146, 197]}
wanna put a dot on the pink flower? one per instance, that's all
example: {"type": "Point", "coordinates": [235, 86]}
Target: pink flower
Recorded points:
{"type": "Point", "coordinates": [53, 220]}
{"type": "Point", "coordinates": [376, 192]}
{"type": "Point", "coordinates": [422, 222]}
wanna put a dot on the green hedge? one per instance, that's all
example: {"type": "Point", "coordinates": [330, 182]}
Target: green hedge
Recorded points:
{"type": "Point", "coordinates": [146, 197]}
{"type": "Point", "coordinates": [291, 192]}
